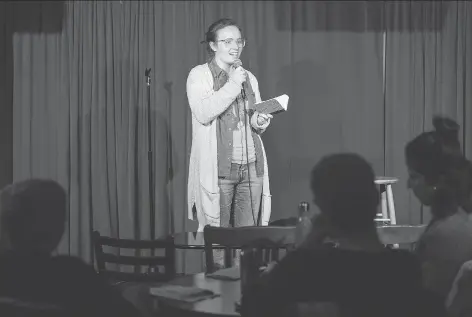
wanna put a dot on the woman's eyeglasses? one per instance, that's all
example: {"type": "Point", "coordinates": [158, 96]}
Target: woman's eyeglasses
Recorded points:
{"type": "Point", "coordinates": [230, 41]}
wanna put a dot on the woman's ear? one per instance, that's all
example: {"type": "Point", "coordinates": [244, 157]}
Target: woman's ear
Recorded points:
{"type": "Point", "coordinates": [213, 46]}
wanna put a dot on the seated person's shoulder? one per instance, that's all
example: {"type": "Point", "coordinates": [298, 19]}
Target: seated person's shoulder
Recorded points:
{"type": "Point", "coordinates": [72, 265]}
{"type": "Point", "coordinates": [93, 290]}
{"type": "Point", "coordinates": [76, 272]}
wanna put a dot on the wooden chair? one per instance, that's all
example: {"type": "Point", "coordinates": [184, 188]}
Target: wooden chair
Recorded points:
{"type": "Point", "coordinates": [152, 262]}
{"type": "Point", "coordinates": [268, 238]}
{"type": "Point", "coordinates": [400, 234]}
{"type": "Point", "coordinates": [10, 307]}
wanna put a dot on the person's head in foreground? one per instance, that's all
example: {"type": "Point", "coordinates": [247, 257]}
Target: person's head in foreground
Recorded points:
{"type": "Point", "coordinates": [344, 189]}
{"type": "Point", "coordinates": [439, 174]}
{"type": "Point", "coordinates": [32, 216]}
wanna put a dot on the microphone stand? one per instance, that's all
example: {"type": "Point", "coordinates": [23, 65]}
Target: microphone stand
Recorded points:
{"type": "Point", "coordinates": [170, 171]}
{"type": "Point", "coordinates": [150, 158]}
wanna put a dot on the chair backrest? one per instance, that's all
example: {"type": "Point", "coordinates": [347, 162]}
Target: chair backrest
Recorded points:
{"type": "Point", "coordinates": [20, 308]}
{"type": "Point", "coordinates": [151, 262]}
{"type": "Point", "coordinates": [400, 234]}
{"type": "Point", "coordinates": [268, 238]}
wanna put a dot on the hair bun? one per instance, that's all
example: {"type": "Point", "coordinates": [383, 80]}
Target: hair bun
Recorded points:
{"type": "Point", "coordinates": [446, 127]}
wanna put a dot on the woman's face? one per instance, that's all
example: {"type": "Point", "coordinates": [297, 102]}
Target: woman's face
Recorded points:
{"type": "Point", "coordinates": [228, 45]}
{"type": "Point", "coordinates": [422, 190]}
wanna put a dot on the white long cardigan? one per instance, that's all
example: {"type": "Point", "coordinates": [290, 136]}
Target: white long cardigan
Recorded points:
{"type": "Point", "coordinates": [206, 105]}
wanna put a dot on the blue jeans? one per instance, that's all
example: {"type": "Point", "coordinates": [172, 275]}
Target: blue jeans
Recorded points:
{"type": "Point", "coordinates": [240, 196]}
{"type": "Point", "coordinates": [240, 200]}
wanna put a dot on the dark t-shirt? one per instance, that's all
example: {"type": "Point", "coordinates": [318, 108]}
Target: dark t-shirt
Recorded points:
{"type": "Point", "coordinates": [63, 281]}
{"type": "Point", "coordinates": [384, 283]}
{"type": "Point", "coordinates": [442, 249]}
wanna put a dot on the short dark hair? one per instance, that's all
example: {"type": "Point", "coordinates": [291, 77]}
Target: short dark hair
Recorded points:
{"type": "Point", "coordinates": [437, 156]}
{"type": "Point", "coordinates": [211, 34]}
{"type": "Point", "coordinates": [345, 190]}
{"type": "Point", "coordinates": [33, 214]}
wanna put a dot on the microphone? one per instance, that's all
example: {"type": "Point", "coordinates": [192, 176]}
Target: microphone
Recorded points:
{"type": "Point", "coordinates": [243, 92]}
{"type": "Point", "coordinates": [235, 65]}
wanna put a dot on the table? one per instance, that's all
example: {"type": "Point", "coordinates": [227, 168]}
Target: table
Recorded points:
{"type": "Point", "coordinates": [195, 240]}
{"type": "Point", "coordinates": [191, 241]}
{"type": "Point", "coordinates": [223, 305]}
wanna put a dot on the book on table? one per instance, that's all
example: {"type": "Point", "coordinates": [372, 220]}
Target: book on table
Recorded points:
{"type": "Point", "coordinates": [189, 294]}
{"type": "Point", "coordinates": [272, 106]}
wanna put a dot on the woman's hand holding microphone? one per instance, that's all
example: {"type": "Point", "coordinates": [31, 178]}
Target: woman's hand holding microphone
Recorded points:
{"type": "Point", "coordinates": [239, 75]}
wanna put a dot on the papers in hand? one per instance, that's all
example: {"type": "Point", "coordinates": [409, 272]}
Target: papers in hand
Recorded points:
{"type": "Point", "coordinates": [188, 294]}
{"type": "Point", "coordinates": [272, 106]}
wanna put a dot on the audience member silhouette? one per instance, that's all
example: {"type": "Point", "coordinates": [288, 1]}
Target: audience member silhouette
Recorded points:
{"type": "Point", "coordinates": [342, 260]}
{"type": "Point", "coordinates": [33, 219]}
{"type": "Point", "coordinates": [441, 178]}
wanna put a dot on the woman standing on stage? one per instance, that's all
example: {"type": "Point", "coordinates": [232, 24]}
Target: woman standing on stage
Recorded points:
{"type": "Point", "coordinates": [228, 174]}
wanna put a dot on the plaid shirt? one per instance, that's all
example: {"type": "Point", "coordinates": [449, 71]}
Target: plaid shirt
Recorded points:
{"type": "Point", "coordinates": [227, 122]}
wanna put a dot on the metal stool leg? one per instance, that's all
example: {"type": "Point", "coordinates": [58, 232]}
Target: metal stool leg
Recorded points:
{"type": "Point", "coordinates": [384, 200]}
{"type": "Point", "coordinates": [391, 205]}
{"type": "Point", "coordinates": [391, 208]}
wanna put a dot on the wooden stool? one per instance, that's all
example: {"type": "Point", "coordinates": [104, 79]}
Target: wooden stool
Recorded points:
{"type": "Point", "coordinates": [388, 206]}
